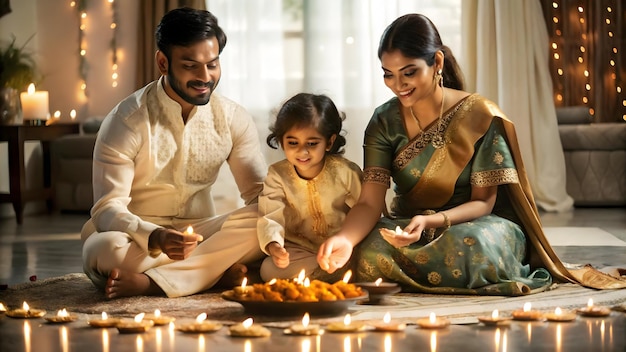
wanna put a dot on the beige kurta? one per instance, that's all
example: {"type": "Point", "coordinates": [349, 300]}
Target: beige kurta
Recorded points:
{"type": "Point", "coordinates": [303, 213]}
{"type": "Point", "coordinates": [151, 170]}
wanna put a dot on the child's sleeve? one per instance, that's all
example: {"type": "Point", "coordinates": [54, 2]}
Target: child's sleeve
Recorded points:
{"type": "Point", "coordinates": [270, 225]}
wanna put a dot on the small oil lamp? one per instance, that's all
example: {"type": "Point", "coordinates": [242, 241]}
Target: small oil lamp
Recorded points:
{"type": "Point", "coordinates": [433, 322]}
{"type": "Point", "coordinates": [592, 310]}
{"type": "Point", "coordinates": [201, 325]}
{"type": "Point", "coordinates": [560, 316]}
{"type": "Point", "coordinates": [62, 316]}
{"type": "Point", "coordinates": [527, 313]}
{"type": "Point", "coordinates": [388, 325]}
{"type": "Point", "coordinates": [247, 328]}
{"type": "Point", "coordinates": [346, 326]}
{"type": "Point", "coordinates": [25, 312]}
{"type": "Point", "coordinates": [305, 328]}
{"type": "Point", "coordinates": [104, 322]}
{"type": "Point", "coordinates": [137, 325]}
{"type": "Point", "coordinates": [495, 319]}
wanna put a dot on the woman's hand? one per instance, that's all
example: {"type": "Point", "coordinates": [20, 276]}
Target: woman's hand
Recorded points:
{"type": "Point", "coordinates": [411, 233]}
{"type": "Point", "coordinates": [176, 245]}
{"type": "Point", "coordinates": [334, 253]}
{"type": "Point", "coordinates": [279, 255]}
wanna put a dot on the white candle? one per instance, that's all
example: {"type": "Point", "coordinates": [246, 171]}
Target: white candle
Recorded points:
{"type": "Point", "coordinates": [35, 104]}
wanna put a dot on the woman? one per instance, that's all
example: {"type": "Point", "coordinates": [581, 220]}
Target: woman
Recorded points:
{"type": "Point", "coordinates": [463, 219]}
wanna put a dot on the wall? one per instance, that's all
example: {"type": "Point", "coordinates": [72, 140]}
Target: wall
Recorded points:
{"type": "Point", "coordinates": [55, 25]}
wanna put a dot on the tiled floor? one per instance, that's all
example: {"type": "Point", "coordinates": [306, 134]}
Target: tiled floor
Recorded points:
{"type": "Point", "coordinates": [47, 246]}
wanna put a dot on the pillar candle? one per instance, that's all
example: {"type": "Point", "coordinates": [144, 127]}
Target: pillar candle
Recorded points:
{"type": "Point", "coordinates": [35, 104]}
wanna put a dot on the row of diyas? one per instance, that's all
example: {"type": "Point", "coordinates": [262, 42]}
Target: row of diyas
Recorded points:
{"type": "Point", "coordinates": [559, 315]}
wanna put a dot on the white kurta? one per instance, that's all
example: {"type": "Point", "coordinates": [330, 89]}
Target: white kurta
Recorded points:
{"type": "Point", "coordinates": [301, 214]}
{"type": "Point", "coordinates": [151, 170]}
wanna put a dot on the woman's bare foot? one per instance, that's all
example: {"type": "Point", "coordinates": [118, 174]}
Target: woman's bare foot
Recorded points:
{"type": "Point", "coordinates": [233, 276]}
{"type": "Point", "coordinates": [122, 283]}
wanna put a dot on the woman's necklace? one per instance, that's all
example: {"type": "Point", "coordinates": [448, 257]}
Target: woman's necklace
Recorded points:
{"type": "Point", "coordinates": [437, 140]}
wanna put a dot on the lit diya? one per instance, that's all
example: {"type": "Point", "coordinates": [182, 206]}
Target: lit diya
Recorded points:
{"type": "Point", "coordinates": [495, 319]}
{"type": "Point", "coordinates": [244, 289]}
{"type": "Point", "coordinates": [201, 325]}
{"type": "Point", "coordinates": [247, 328]}
{"type": "Point", "coordinates": [3, 309]}
{"type": "Point", "coordinates": [378, 290]}
{"type": "Point", "coordinates": [433, 322]}
{"type": "Point", "coordinates": [560, 316]}
{"type": "Point", "coordinates": [137, 325]}
{"type": "Point", "coordinates": [25, 312]}
{"type": "Point", "coordinates": [346, 326]}
{"type": "Point", "coordinates": [159, 319]}
{"type": "Point", "coordinates": [388, 325]}
{"type": "Point", "coordinates": [305, 328]}
{"type": "Point", "coordinates": [592, 310]}
{"type": "Point", "coordinates": [104, 322]}
{"type": "Point", "coordinates": [61, 317]}
{"type": "Point", "coordinates": [527, 313]}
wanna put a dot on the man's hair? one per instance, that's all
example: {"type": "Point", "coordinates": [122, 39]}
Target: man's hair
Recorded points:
{"type": "Point", "coordinates": [186, 26]}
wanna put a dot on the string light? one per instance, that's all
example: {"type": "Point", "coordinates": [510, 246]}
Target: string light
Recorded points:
{"type": "Point", "coordinates": [114, 74]}
{"type": "Point", "coordinates": [80, 7]}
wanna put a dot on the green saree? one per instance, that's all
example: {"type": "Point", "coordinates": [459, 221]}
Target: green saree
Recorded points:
{"type": "Point", "coordinates": [503, 253]}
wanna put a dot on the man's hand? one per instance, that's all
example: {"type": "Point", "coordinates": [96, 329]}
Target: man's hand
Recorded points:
{"type": "Point", "coordinates": [176, 245]}
{"type": "Point", "coordinates": [279, 255]}
{"type": "Point", "coordinates": [334, 253]}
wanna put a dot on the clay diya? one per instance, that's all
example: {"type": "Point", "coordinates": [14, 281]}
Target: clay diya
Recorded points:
{"type": "Point", "coordinates": [25, 312]}
{"type": "Point", "coordinates": [201, 325]}
{"type": "Point", "coordinates": [592, 310]}
{"type": "Point", "coordinates": [559, 316]}
{"type": "Point", "coordinates": [527, 314]}
{"type": "Point", "coordinates": [433, 322]}
{"type": "Point", "coordinates": [61, 317]}
{"type": "Point", "coordinates": [247, 328]}
{"type": "Point", "coordinates": [495, 319]}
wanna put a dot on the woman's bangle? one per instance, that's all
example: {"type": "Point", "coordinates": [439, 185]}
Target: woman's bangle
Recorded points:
{"type": "Point", "coordinates": [446, 220]}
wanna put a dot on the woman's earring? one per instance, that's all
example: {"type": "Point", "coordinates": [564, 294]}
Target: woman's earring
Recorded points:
{"type": "Point", "coordinates": [440, 74]}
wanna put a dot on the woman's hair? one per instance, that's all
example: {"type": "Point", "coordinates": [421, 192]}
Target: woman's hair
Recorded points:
{"type": "Point", "coordinates": [185, 26]}
{"type": "Point", "coordinates": [304, 110]}
{"type": "Point", "coordinates": [417, 37]}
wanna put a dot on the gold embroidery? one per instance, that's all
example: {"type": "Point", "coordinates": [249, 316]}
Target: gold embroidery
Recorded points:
{"type": "Point", "coordinates": [416, 173]}
{"type": "Point", "coordinates": [479, 258]}
{"type": "Point", "coordinates": [377, 175]}
{"type": "Point", "coordinates": [422, 258]}
{"type": "Point", "coordinates": [415, 146]}
{"type": "Point", "coordinates": [449, 259]}
{"type": "Point", "coordinates": [457, 273]}
{"type": "Point", "coordinates": [498, 159]}
{"type": "Point", "coordinates": [383, 264]}
{"type": "Point", "coordinates": [320, 227]}
{"type": "Point", "coordinates": [496, 140]}
{"type": "Point", "coordinates": [494, 177]}
{"type": "Point", "coordinates": [470, 241]}
{"type": "Point", "coordinates": [434, 278]}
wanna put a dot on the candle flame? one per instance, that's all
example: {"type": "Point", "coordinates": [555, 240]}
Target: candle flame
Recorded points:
{"type": "Point", "coordinates": [247, 323]}
{"type": "Point", "coordinates": [494, 314]}
{"type": "Point", "coordinates": [73, 114]}
{"type": "Point", "coordinates": [305, 320]}
{"type": "Point", "coordinates": [189, 230]}
{"type": "Point", "coordinates": [387, 318]}
{"type": "Point", "coordinates": [398, 230]}
{"type": "Point", "coordinates": [104, 316]}
{"type": "Point", "coordinates": [527, 306]}
{"type": "Point", "coordinates": [378, 281]}
{"type": "Point", "coordinates": [272, 282]}
{"type": "Point", "coordinates": [2, 307]}
{"type": "Point", "coordinates": [139, 317]}
{"type": "Point", "coordinates": [301, 276]}
{"type": "Point", "coordinates": [157, 313]}
{"type": "Point", "coordinates": [558, 311]}
{"type": "Point", "coordinates": [244, 282]}
{"type": "Point", "coordinates": [31, 88]}
{"type": "Point", "coordinates": [307, 282]}
{"type": "Point", "coordinates": [347, 276]}
{"type": "Point", "coordinates": [433, 318]}
{"type": "Point", "coordinates": [63, 313]}
{"type": "Point", "coordinates": [590, 303]}
{"type": "Point", "coordinates": [347, 320]}
{"type": "Point", "coordinates": [201, 317]}
{"type": "Point", "coordinates": [25, 306]}
{"type": "Point", "coordinates": [172, 326]}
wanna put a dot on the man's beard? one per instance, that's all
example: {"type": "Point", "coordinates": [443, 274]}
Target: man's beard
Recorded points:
{"type": "Point", "coordinates": [195, 100]}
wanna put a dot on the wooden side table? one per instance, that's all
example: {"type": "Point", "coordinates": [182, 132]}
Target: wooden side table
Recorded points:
{"type": "Point", "coordinates": [16, 135]}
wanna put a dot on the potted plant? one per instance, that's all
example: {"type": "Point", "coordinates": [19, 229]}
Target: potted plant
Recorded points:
{"type": "Point", "coordinates": [17, 70]}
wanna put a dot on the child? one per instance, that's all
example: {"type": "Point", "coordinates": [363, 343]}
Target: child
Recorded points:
{"type": "Point", "coordinates": [306, 196]}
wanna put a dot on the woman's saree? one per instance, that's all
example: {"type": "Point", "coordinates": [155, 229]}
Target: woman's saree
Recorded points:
{"type": "Point", "coordinates": [503, 253]}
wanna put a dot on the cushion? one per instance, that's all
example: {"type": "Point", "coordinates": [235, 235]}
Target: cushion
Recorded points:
{"type": "Point", "coordinates": [573, 115]}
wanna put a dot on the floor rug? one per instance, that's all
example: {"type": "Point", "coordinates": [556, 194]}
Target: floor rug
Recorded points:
{"type": "Point", "coordinates": [581, 236]}
{"type": "Point", "coordinates": [77, 294]}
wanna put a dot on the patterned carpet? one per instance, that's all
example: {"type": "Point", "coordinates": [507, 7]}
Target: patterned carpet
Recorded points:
{"type": "Point", "coordinates": [76, 293]}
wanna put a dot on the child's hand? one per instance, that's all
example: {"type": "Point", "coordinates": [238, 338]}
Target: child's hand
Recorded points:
{"type": "Point", "coordinates": [334, 253]}
{"type": "Point", "coordinates": [279, 255]}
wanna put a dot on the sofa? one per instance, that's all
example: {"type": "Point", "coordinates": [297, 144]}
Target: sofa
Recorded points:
{"type": "Point", "coordinates": [595, 158]}
{"type": "Point", "coordinates": [71, 165]}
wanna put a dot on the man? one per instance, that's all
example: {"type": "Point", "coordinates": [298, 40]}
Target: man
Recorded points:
{"type": "Point", "coordinates": [157, 155]}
